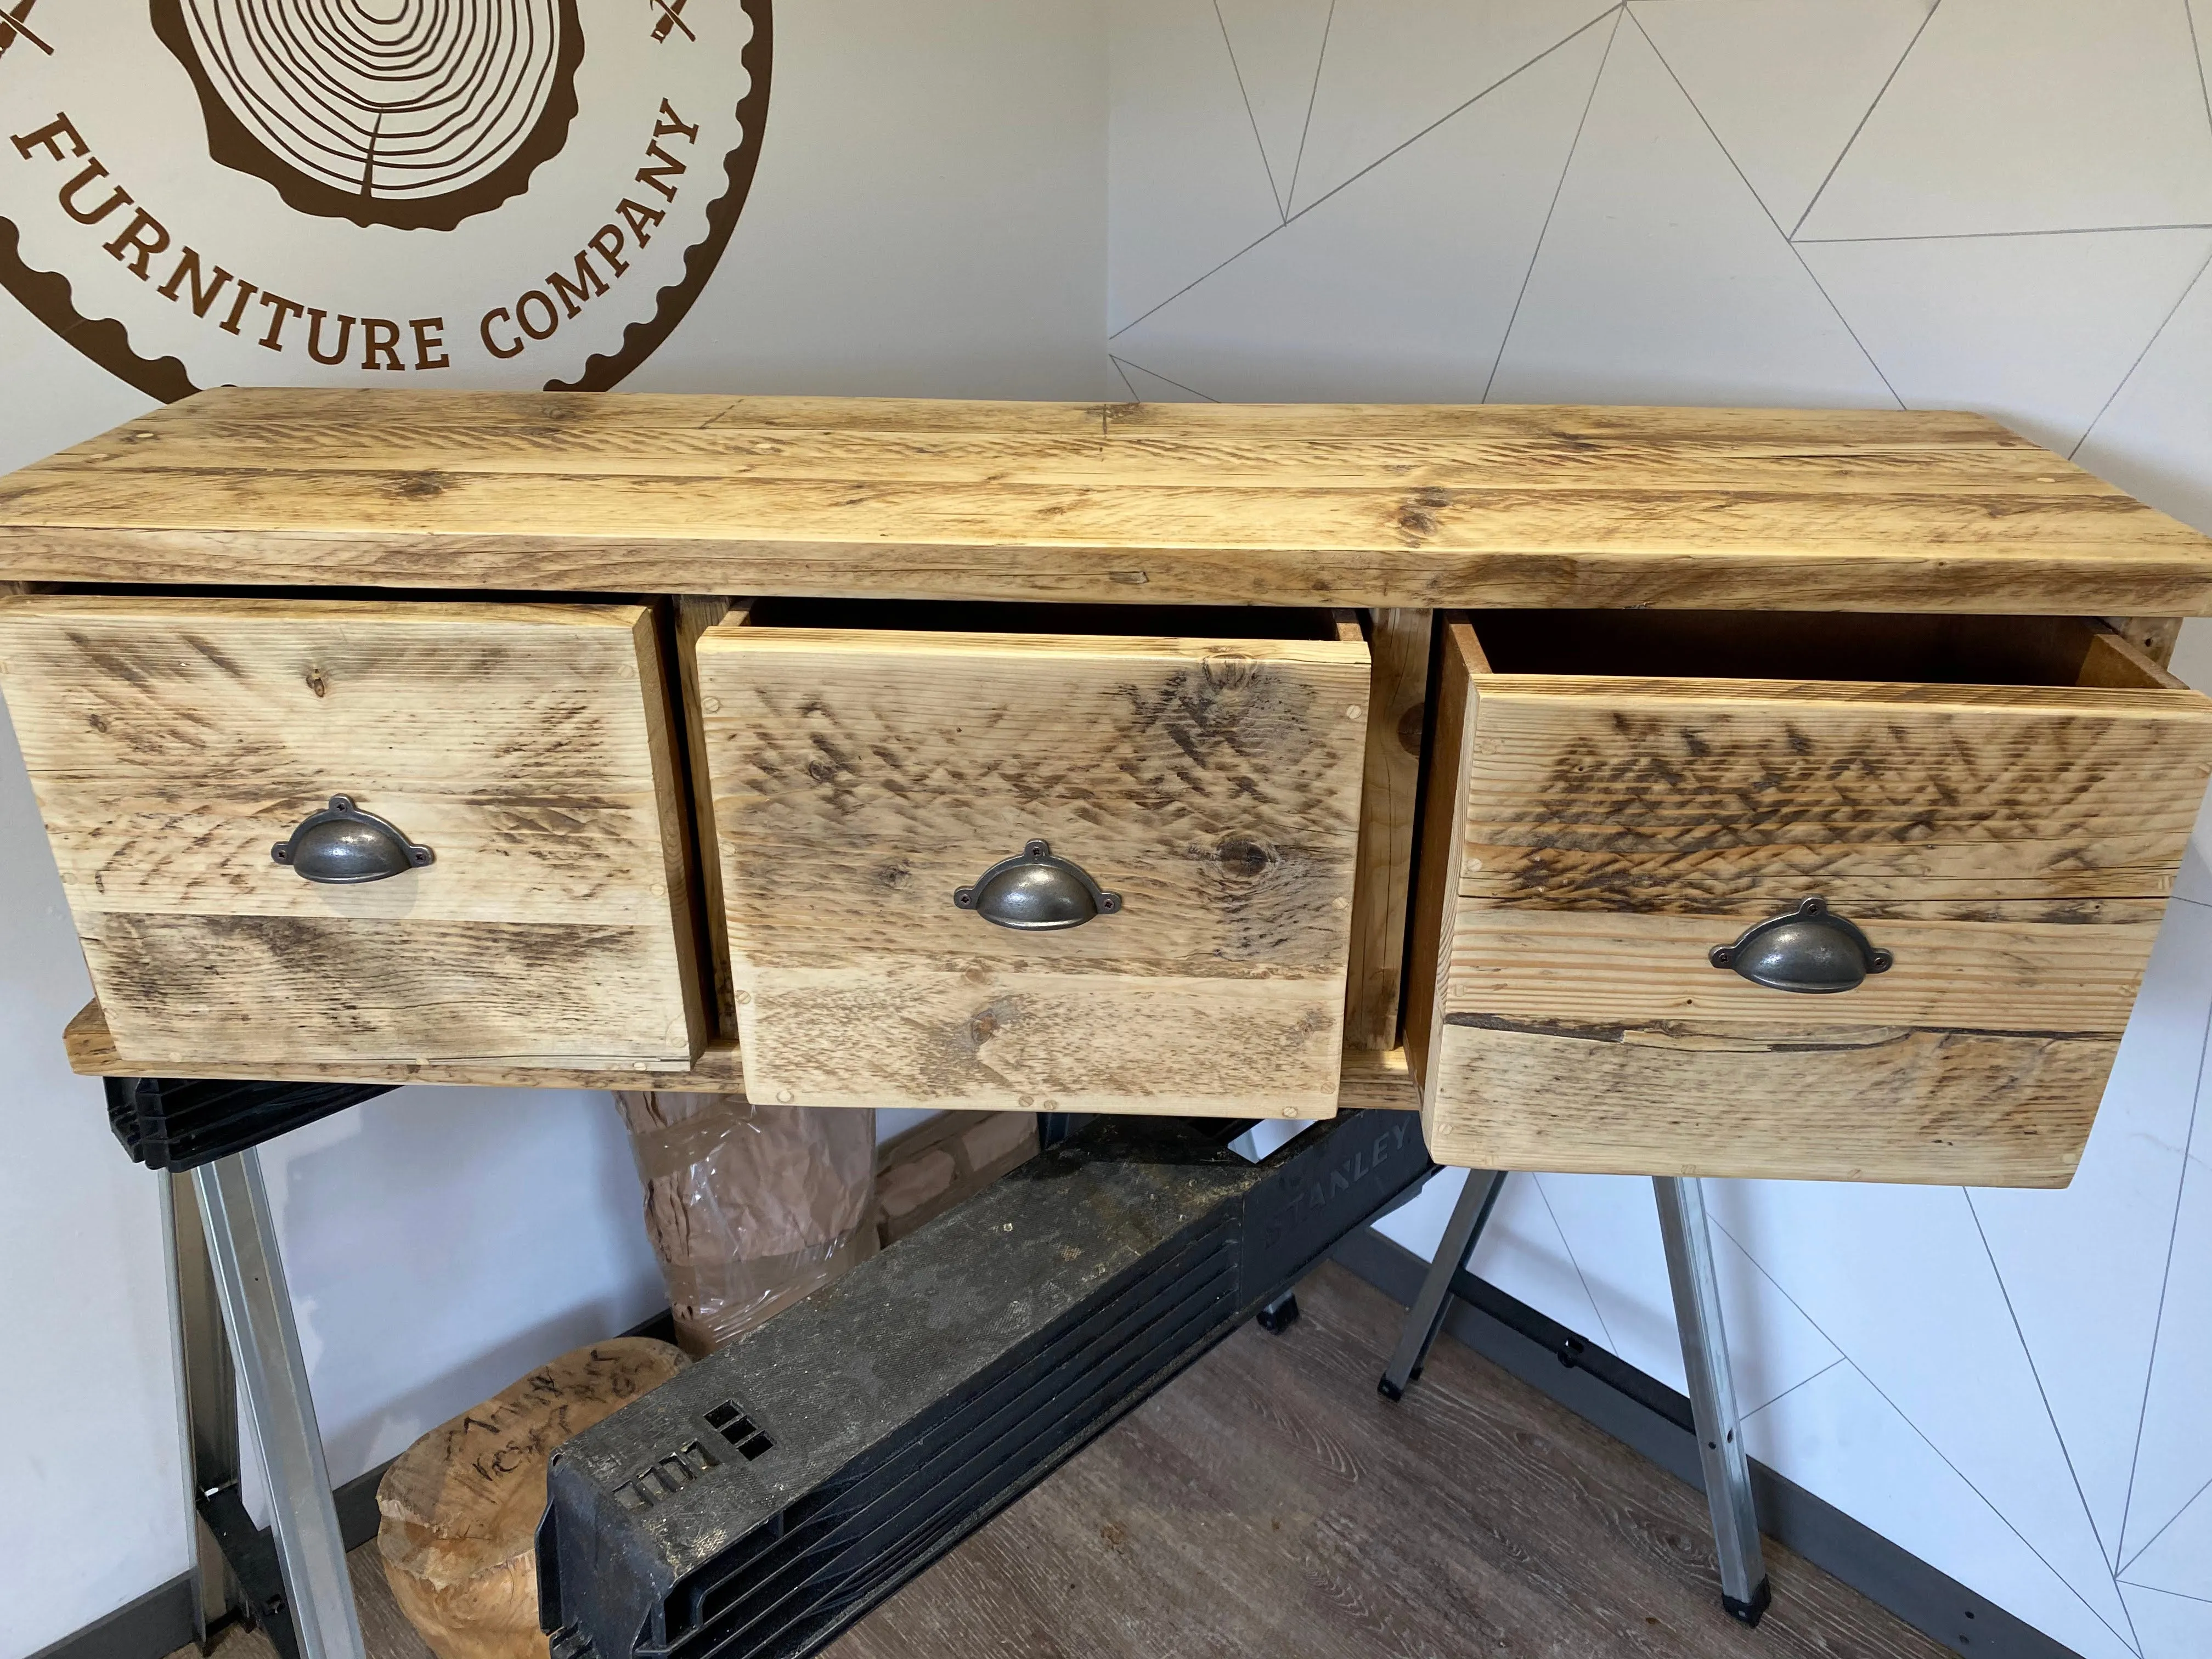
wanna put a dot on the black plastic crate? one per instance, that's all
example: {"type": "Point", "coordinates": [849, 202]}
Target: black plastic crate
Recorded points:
{"type": "Point", "coordinates": [181, 1123]}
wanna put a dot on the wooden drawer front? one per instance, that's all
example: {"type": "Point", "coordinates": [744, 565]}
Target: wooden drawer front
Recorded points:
{"type": "Point", "coordinates": [171, 742]}
{"type": "Point", "coordinates": [1592, 836]}
{"type": "Point", "coordinates": [858, 778]}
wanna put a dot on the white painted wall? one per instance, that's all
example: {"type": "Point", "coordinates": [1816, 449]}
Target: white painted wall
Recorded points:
{"type": "Point", "coordinates": [1996, 204]}
{"type": "Point", "coordinates": [927, 219]}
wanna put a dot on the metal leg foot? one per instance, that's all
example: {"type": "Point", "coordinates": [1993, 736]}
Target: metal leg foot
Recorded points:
{"type": "Point", "coordinates": [1279, 1314]}
{"type": "Point", "coordinates": [1744, 1590]}
{"type": "Point", "coordinates": [257, 1309]}
{"type": "Point", "coordinates": [1427, 1316]}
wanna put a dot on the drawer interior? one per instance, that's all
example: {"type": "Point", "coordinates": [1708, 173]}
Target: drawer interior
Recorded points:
{"type": "Point", "coordinates": [1198, 621]}
{"type": "Point", "coordinates": [1810, 645]}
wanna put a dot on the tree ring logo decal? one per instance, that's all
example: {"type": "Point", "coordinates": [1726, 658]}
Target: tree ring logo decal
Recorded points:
{"type": "Point", "coordinates": [419, 118]}
{"type": "Point", "coordinates": [472, 192]}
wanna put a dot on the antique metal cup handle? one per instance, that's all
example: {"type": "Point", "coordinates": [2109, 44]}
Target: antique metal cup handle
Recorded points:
{"type": "Point", "coordinates": [1035, 892]}
{"type": "Point", "coordinates": [342, 846]}
{"type": "Point", "coordinates": [1809, 949]}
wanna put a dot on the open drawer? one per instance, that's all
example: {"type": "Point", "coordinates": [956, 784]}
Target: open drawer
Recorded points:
{"type": "Point", "coordinates": [1989, 810]}
{"type": "Point", "coordinates": [1159, 808]}
{"type": "Point", "coordinates": [505, 882]}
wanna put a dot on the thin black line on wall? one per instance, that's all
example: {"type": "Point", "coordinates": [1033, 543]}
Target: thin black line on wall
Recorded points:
{"type": "Point", "coordinates": [1612, 12]}
{"type": "Point", "coordinates": [1250, 116]}
{"type": "Point", "coordinates": [2035, 1372]}
{"type": "Point", "coordinates": [2160, 1589]}
{"type": "Point", "coordinates": [1124, 365]}
{"type": "Point", "coordinates": [2196, 47]}
{"type": "Point", "coordinates": [1813, 275]}
{"type": "Point", "coordinates": [1978, 235]}
{"type": "Point", "coordinates": [2165, 1280]}
{"type": "Point", "coordinates": [1313, 96]}
{"type": "Point", "coordinates": [1880, 94]}
{"type": "Point", "coordinates": [1793, 1387]}
{"type": "Point", "coordinates": [2188, 288]}
{"type": "Point", "coordinates": [1567, 166]}
{"type": "Point", "coordinates": [1604, 1331]}
{"type": "Point", "coordinates": [2161, 1533]}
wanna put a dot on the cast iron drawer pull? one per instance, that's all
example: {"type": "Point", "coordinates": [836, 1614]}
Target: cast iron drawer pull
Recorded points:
{"type": "Point", "coordinates": [342, 845]}
{"type": "Point", "coordinates": [1808, 949]}
{"type": "Point", "coordinates": [1036, 893]}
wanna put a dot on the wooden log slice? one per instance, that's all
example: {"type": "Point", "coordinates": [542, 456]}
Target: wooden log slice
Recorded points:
{"type": "Point", "coordinates": [460, 1507]}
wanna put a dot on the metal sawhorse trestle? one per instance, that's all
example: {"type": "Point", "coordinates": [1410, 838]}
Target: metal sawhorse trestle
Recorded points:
{"type": "Point", "coordinates": [204, 1138]}
{"type": "Point", "coordinates": [1745, 1591]}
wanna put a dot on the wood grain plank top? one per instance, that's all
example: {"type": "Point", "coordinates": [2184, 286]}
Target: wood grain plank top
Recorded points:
{"type": "Point", "coordinates": [1371, 505]}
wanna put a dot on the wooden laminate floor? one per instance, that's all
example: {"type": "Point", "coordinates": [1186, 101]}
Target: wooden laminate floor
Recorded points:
{"type": "Point", "coordinates": [1269, 1502]}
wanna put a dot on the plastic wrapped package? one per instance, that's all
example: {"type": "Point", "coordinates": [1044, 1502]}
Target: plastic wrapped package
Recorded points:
{"type": "Point", "coordinates": [750, 1207]}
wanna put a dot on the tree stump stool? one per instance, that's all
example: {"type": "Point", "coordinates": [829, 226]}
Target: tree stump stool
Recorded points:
{"type": "Point", "coordinates": [460, 1506]}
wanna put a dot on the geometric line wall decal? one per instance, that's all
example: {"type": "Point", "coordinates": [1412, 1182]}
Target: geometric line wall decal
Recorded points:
{"type": "Point", "coordinates": [2042, 1387]}
{"type": "Point", "coordinates": [1622, 304]}
{"type": "Point", "coordinates": [1604, 1332]}
{"type": "Point", "coordinates": [1393, 69]}
{"type": "Point", "coordinates": [1398, 285]}
{"type": "Point", "coordinates": [1186, 187]}
{"type": "Point", "coordinates": [1147, 387]}
{"type": "Point", "coordinates": [2171, 1627]}
{"type": "Point", "coordinates": [1783, 82]}
{"type": "Point", "coordinates": [1996, 323]}
{"type": "Point", "coordinates": [2086, 1267]}
{"type": "Point", "coordinates": [1839, 1439]}
{"type": "Point", "coordinates": [1777, 222]}
{"type": "Point", "coordinates": [2173, 1458]}
{"type": "Point", "coordinates": [1610, 1224]}
{"type": "Point", "coordinates": [1277, 46]}
{"type": "Point", "coordinates": [2199, 13]}
{"type": "Point", "coordinates": [1898, 1279]}
{"type": "Point", "coordinates": [2178, 1557]}
{"type": "Point", "coordinates": [2031, 115]}
{"type": "Point", "coordinates": [1520, 1251]}
{"type": "Point", "coordinates": [1522, 1254]}
{"type": "Point", "coordinates": [2154, 438]}
{"type": "Point", "coordinates": [2148, 346]}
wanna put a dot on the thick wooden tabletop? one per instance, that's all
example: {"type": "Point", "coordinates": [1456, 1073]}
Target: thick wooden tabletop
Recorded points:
{"type": "Point", "coordinates": [1283, 504]}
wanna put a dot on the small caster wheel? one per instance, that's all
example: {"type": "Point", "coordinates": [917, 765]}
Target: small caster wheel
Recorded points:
{"type": "Point", "coordinates": [1279, 1314]}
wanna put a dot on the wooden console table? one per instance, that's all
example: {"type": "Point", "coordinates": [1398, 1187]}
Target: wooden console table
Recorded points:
{"type": "Point", "coordinates": [700, 711]}
{"type": "Point", "coordinates": [1526, 765]}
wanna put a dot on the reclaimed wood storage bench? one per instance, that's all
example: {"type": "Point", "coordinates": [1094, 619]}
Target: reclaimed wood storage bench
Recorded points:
{"type": "Point", "coordinates": [699, 743]}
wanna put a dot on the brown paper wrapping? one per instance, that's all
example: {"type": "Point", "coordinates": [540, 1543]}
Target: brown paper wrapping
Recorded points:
{"type": "Point", "coordinates": [749, 1207]}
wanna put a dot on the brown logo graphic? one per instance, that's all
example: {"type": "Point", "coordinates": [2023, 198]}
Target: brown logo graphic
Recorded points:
{"type": "Point", "coordinates": [416, 120]}
{"type": "Point", "coordinates": [242, 190]}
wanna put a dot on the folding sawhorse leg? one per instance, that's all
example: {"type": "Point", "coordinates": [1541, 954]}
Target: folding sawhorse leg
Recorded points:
{"type": "Point", "coordinates": [280, 1413]}
{"type": "Point", "coordinates": [212, 1133]}
{"type": "Point", "coordinates": [1745, 1592]}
